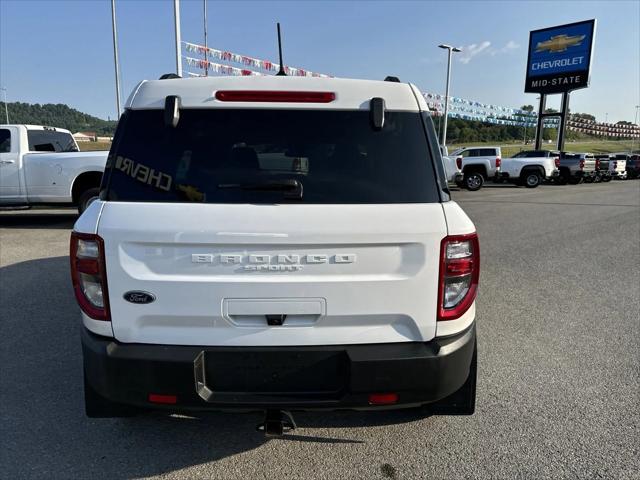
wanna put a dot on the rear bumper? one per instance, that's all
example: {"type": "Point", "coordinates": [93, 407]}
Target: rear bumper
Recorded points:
{"type": "Point", "coordinates": [302, 378]}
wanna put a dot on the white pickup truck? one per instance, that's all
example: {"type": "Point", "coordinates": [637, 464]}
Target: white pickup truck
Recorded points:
{"type": "Point", "coordinates": [529, 168]}
{"type": "Point", "coordinates": [477, 165]}
{"type": "Point", "coordinates": [43, 165]}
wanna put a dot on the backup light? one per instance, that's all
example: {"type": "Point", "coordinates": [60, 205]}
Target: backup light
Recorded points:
{"type": "Point", "coordinates": [459, 275]}
{"type": "Point", "coordinates": [274, 96]}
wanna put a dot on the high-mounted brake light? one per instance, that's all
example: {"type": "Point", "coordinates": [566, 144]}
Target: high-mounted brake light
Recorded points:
{"type": "Point", "coordinates": [274, 96]}
{"type": "Point", "coordinates": [459, 163]}
{"type": "Point", "coordinates": [459, 275]}
{"type": "Point", "coordinates": [89, 275]}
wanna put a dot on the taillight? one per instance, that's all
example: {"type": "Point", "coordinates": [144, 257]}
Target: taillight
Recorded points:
{"type": "Point", "coordinates": [557, 162]}
{"type": "Point", "coordinates": [615, 165]}
{"type": "Point", "coordinates": [581, 164]}
{"type": "Point", "coordinates": [89, 275]}
{"type": "Point", "coordinates": [274, 96]}
{"type": "Point", "coordinates": [459, 275]}
{"type": "Point", "coordinates": [597, 164]}
{"type": "Point", "coordinates": [498, 162]}
{"type": "Point", "coordinates": [459, 163]}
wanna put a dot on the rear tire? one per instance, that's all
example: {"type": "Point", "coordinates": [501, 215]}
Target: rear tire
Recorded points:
{"type": "Point", "coordinates": [96, 406]}
{"type": "Point", "coordinates": [473, 181]}
{"type": "Point", "coordinates": [88, 196]}
{"type": "Point", "coordinates": [575, 180]}
{"type": "Point", "coordinates": [531, 179]}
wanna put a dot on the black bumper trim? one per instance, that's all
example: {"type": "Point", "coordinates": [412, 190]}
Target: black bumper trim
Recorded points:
{"type": "Point", "coordinates": [419, 372]}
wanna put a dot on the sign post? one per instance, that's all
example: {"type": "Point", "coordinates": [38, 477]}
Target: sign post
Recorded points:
{"type": "Point", "coordinates": [559, 61]}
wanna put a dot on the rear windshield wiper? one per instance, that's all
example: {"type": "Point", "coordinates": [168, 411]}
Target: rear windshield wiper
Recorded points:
{"type": "Point", "coordinates": [292, 188]}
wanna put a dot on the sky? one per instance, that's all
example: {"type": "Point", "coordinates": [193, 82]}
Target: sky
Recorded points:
{"type": "Point", "coordinates": [56, 51]}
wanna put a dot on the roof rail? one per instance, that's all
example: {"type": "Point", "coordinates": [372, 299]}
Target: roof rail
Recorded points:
{"type": "Point", "coordinates": [390, 78]}
{"type": "Point", "coordinates": [167, 76]}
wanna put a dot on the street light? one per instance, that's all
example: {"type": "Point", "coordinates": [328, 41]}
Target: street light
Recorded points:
{"type": "Point", "coordinates": [6, 108]}
{"type": "Point", "coordinates": [446, 100]}
{"type": "Point", "coordinates": [176, 21]}
{"type": "Point", "coordinates": [116, 63]}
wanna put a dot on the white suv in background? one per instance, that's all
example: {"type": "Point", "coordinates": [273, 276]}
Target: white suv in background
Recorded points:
{"type": "Point", "coordinates": [276, 243]}
{"type": "Point", "coordinates": [477, 165]}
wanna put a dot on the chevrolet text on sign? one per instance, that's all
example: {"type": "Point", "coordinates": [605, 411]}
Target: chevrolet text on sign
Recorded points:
{"type": "Point", "coordinates": [560, 58]}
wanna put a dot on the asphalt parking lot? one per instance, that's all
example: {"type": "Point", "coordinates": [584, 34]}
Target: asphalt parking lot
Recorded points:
{"type": "Point", "coordinates": [559, 365]}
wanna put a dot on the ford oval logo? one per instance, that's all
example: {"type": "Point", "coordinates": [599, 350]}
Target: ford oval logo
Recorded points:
{"type": "Point", "coordinates": [137, 296]}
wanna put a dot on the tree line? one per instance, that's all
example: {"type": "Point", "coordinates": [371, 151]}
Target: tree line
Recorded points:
{"type": "Point", "coordinates": [56, 115]}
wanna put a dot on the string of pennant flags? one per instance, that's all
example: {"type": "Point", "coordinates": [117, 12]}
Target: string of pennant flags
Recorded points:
{"type": "Point", "coordinates": [458, 107]}
{"type": "Point", "coordinates": [266, 65]}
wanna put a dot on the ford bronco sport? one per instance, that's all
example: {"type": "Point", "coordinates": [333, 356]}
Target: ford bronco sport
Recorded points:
{"type": "Point", "coordinates": [275, 243]}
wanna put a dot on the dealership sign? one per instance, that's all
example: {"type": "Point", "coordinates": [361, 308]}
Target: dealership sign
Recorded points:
{"type": "Point", "coordinates": [560, 58]}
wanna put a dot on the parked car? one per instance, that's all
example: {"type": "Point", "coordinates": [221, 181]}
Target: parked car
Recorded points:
{"type": "Point", "coordinates": [575, 167]}
{"type": "Point", "coordinates": [618, 166]}
{"type": "Point", "coordinates": [633, 166]}
{"type": "Point", "coordinates": [602, 173]}
{"type": "Point", "coordinates": [452, 169]}
{"type": "Point", "coordinates": [529, 168]}
{"type": "Point", "coordinates": [478, 164]}
{"type": "Point", "coordinates": [236, 284]}
{"type": "Point", "coordinates": [42, 165]}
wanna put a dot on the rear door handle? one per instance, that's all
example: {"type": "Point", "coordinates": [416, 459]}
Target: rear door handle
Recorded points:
{"type": "Point", "coordinates": [7, 161]}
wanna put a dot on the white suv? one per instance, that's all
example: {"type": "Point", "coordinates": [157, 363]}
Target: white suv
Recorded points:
{"type": "Point", "coordinates": [275, 243]}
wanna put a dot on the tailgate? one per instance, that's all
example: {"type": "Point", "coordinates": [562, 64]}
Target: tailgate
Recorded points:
{"type": "Point", "coordinates": [255, 275]}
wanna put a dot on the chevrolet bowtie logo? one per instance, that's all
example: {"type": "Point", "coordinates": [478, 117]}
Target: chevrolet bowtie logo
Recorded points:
{"type": "Point", "coordinates": [559, 43]}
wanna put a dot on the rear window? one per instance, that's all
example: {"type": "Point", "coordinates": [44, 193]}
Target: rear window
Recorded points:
{"type": "Point", "coordinates": [233, 155]}
{"type": "Point", "coordinates": [5, 140]}
{"type": "Point", "coordinates": [531, 154]}
{"type": "Point", "coordinates": [50, 141]}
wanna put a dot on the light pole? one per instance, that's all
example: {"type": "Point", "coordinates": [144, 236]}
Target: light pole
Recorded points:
{"type": "Point", "coordinates": [176, 19]}
{"type": "Point", "coordinates": [6, 108]}
{"type": "Point", "coordinates": [635, 122]}
{"type": "Point", "coordinates": [446, 100]}
{"type": "Point", "coordinates": [115, 54]}
{"type": "Point", "coordinates": [206, 50]}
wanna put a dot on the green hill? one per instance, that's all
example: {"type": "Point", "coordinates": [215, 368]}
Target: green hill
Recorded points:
{"type": "Point", "coordinates": [57, 115]}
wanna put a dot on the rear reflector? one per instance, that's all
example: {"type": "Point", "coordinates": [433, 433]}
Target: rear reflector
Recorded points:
{"type": "Point", "coordinates": [166, 399]}
{"type": "Point", "coordinates": [274, 96]}
{"type": "Point", "coordinates": [383, 398]}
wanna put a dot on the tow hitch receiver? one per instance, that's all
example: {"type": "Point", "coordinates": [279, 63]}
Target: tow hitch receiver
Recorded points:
{"type": "Point", "coordinates": [276, 423]}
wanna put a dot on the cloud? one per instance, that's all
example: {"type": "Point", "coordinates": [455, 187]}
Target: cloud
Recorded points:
{"type": "Point", "coordinates": [485, 47]}
{"type": "Point", "coordinates": [510, 46]}
{"type": "Point", "coordinates": [472, 50]}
